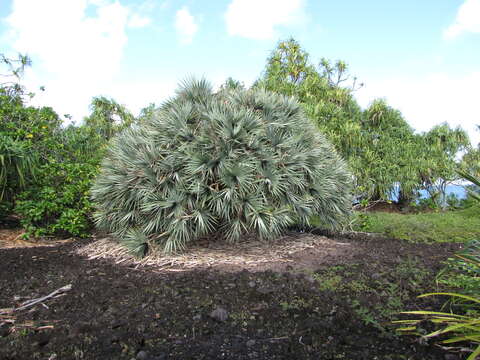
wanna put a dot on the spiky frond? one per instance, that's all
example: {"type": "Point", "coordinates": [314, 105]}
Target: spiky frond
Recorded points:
{"type": "Point", "coordinates": [233, 162]}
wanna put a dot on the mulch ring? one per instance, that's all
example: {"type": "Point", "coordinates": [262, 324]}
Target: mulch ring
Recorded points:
{"type": "Point", "coordinates": [293, 251]}
{"type": "Point", "coordinates": [253, 302]}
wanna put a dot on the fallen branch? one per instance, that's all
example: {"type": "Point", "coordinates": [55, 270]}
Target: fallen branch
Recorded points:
{"type": "Point", "coordinates": [7, 317]}
{"type": "Point", "coordinates": [30, 303]}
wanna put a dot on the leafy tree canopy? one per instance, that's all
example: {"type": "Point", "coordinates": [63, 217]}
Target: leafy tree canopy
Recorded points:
{"type": "Point", "coordinates": [385, 154]}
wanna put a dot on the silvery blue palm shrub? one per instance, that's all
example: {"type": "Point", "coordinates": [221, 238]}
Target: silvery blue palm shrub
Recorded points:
{"type": "Point", "coordinates": [229, 163]}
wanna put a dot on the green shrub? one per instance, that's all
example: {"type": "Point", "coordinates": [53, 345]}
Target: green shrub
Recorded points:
{"type": "Point", "coordinates": [233, 162]}
{"type": "Point", "coordinates": [46, 169]}
{"type": "Point", "coordinates": [27, 140]}
{"type": "Point", "coordinates": [58, 203]}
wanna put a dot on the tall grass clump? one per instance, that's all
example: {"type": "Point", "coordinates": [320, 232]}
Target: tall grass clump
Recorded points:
{"type": "Point", "coordinates": [228, 163]}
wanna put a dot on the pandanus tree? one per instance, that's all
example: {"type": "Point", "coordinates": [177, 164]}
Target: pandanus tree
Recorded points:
{"type": "Point", "coordinates": [444, 144]}
{"type": "Point", "coordinates": [387, 158]}
{"type": "Point", "coordinates": [396, 152]}
{"type": "Point", "coordinates": [326, 94]}
{"type": "Point", "coordinates": [228, 163]}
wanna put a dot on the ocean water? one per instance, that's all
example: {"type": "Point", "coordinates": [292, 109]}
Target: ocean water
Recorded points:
{"type": "Point", "coordinates": [459, 191]}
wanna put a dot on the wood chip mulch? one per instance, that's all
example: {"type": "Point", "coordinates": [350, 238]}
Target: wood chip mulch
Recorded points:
{"type": "Point", "coordinates": [248, 254]}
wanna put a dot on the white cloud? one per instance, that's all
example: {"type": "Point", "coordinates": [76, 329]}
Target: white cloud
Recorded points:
{"type": "Point", "coordinates": [466, 21]}
{"type": "Point", "coordinates": [257, 19]}
{"type": "Point", "coordinates": [140, 13]}
{"type": "Point", "coordinates": [136, 95]}
{"type": "Point", "coordinates": [138, 21]}
{"type": "Point", "coordinates": [185, 25]}
{"type": "Point", "coordinates": [429, 100]}
{"type": "Point", "coordinates": [76, 46]}
{"type": "Point", "coordinates": [64, 39]}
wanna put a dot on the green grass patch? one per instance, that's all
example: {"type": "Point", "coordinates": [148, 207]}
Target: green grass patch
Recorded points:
{"type": "Point", "coordinates": [449, 226]}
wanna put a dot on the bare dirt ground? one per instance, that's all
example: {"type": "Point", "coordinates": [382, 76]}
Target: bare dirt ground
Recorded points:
{"type": "Point", "coordinates": [305, 297]}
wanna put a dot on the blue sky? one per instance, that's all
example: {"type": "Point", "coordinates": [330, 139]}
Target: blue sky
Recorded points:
{"type": "Point", "coordinates": [422, 56]}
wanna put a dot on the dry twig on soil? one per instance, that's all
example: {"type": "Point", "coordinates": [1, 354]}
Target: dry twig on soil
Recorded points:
{"type": "Point", "coordinates": [56, 293]}
{"type": "Point", "coordinates": [7, 315]}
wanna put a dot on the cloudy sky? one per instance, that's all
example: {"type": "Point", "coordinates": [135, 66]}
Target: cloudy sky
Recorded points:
{"type": "Point", "coordinates": [422, 56]}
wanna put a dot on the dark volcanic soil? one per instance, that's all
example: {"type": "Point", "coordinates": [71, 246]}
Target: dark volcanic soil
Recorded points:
{"type": "Point", "coordinates": [340, 311]}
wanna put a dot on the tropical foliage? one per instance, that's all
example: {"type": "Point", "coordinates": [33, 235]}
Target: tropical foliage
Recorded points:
{"type": "Point", "coordinates": [26, 141]}
{"type": "Point", "coordinates": [442, 145]}
{"type": "Point", "coordinates": [470, 163]}
{"type": "Point", "coordinates": [46, 168]}
{"type": "Point", "coordinates": [388, 159]}
{"type": "Point", "coordinates": [232, 162]}
{"type": "Point", "coordinates": [57, 203]}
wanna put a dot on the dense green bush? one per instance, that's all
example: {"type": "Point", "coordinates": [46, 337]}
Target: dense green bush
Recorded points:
{"type": "Point", "coordinates": [58, 203]}
{"type": "Point", "coordinates": [27, 140]}
{"type": "Point", "coordinates": [46, 169]}
{"type": "Point", "coordinates": [233, 162]}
